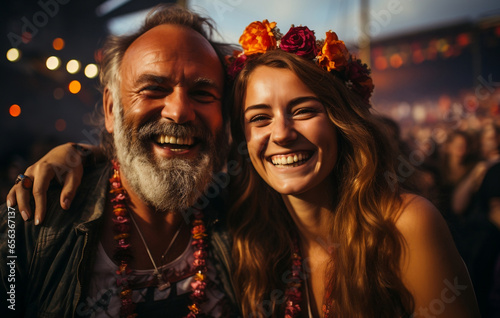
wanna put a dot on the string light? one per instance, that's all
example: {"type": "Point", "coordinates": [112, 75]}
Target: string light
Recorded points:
{"type": "Point", "coordinates": [13, 54]}
{"type": "Point", "coordinates": [58, 44]}
{"type": "Point", "coordinates": [91, 70]}
{"type": "Point", "coordinates": [73, 66]}
{"type": "Point", "coordinates": [74, 87]}
{"type": "Point", "coordinates": [53, 63]}
{"type": "Point", "coordinates": [15, 110]}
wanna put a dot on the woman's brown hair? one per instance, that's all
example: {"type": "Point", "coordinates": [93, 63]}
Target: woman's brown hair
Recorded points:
{"type": "Point", "coordinates": [364, 274]}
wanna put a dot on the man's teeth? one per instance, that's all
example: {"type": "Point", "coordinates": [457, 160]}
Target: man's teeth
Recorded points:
{"type": "Point", "coordinates": [164, 139]}
{"type": "Point", "coordinates": [289, 159]}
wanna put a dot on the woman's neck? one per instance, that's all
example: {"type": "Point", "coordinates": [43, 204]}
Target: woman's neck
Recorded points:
{"type": "Point", "coordinates": [311, 213]}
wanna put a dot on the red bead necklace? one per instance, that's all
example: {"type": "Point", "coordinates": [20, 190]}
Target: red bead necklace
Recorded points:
{"type": "Point", "coordinates": [123, 255]}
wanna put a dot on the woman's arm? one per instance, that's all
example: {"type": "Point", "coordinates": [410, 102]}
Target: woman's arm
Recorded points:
{"type": "Point", "coordinates": [431, 267]}
{"type": "Point", "coordinates": [64, 162]}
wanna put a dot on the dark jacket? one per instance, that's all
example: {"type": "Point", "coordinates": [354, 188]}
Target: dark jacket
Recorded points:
{"type": "Point", "coordinates": [53, 261]}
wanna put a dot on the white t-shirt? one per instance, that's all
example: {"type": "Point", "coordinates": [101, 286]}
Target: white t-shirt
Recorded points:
{"type": "Point", "coordinates": [104, 300]}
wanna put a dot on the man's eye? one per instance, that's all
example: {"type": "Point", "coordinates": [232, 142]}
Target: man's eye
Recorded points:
{"type": "Point", "coordinates": [153, 88]}
{"type": "Point", "coordinates": [204, 96]}
{"type": "Point", "coordinates": [154, 91]}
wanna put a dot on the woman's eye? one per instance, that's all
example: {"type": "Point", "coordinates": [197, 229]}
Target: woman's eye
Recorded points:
{"type": "Point", "coordinates": [258, 118]}
{"type": "Point", "coordinates": [304, 111]}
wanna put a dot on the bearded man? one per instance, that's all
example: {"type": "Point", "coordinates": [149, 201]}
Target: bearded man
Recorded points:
{"type": "Point", "coordinates": [128, 247]}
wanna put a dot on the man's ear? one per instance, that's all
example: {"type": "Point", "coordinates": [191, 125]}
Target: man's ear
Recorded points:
{"type": "Point", "coordinates": [107, 104]}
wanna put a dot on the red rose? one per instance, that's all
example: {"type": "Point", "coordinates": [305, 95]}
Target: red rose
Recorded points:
{"type": "Point", "coordinates": [300, 41]}
{"type": "Point", "coordinates": [359, 76]}
{"type": "Point", "coordinates": [236, 66]}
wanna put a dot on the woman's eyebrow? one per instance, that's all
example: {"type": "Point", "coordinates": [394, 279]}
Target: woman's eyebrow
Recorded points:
{"type": "Point", "coordinates": [257, 106]}
{"type": "Point", "coordinates": [302, 99]}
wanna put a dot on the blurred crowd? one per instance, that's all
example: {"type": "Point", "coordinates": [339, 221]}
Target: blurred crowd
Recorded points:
{"type": "Point", "coordinates": [451, 155]}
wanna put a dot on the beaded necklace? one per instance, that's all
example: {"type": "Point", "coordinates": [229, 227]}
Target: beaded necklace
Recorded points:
{"type": "Point", "coordinates": [293, 292]}
{"type": "Point", "coordinates": [123, 256]}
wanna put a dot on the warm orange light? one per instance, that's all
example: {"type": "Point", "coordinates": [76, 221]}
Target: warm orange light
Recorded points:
{"type": "Point", "coordinates": [60, 125]}
{"type": "Point", "coordinates": [15, 110]}
{"type": "Point", "coordinates": [396, 60]}
{"type": "Point", "coordinates": [380, 63]}
{"type": "Point", "coordinates": [418, 56]}
{"type": "Point", "coordinates": [58, 44]}
{"type": "Point", "coordinates": [74, 87]}
{"type": "Point", "coordinates": [463, 39]}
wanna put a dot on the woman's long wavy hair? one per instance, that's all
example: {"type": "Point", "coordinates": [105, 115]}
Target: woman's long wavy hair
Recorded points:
{"type": "Point", "coordinates": [364, 272]}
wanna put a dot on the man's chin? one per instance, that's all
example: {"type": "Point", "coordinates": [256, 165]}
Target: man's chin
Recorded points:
{"type": "Point", "coordinates": [168, 184]}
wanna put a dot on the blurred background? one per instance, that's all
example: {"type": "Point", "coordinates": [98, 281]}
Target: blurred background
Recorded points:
{"type": "Point", "coordinates": [435, 65]}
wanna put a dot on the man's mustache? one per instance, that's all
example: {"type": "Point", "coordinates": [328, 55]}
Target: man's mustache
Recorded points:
{"type": "Point", "coordinates": [154, 128]}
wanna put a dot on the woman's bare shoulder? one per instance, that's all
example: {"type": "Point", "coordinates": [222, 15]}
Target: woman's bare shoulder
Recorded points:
{"type": "Point", "coordinates": [418, 214]}
{"type": "Point", "coordinates": [431, 265]}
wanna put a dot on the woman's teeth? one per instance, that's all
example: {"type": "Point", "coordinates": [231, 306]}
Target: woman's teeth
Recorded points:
{"type": "Point", "coordinates": [289, 159]}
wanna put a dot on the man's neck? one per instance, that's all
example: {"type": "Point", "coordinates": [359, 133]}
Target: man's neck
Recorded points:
{"type": "Point", "coordinates": [157, 228]}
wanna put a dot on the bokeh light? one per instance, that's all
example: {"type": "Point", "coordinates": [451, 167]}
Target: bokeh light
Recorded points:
{"type": "Point", "coordinates": [396, 60]}
{"type": "Point", "coordinates": [53, 63]}
{"type": "Point", "coordinates": [380, 63]}
{"type": "Point", "coordinates": [13, 54]}
{"type": "Point", "coordinates": [73, 66]}
{"type": "Point", "coordinates": [15, 110]}
{"type": "Point", "coordinates": [58, 44]}
{"type": "Point", "coordinates": [91, 70]}
{"type": "Point", "coordinates": [74, 87]}
{"type": "Point", "coordinates": [60, 124]}
{"type": "Point", "coordinates": [26, 37]}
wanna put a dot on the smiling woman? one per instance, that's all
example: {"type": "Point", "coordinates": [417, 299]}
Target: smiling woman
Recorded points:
{"type": "Point", "coordinates": [291, 141]}
{"type": "Point", "coordinates": [317, 229]}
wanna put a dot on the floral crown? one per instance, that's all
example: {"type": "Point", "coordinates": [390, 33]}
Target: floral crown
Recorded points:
{"type": "Point", "coordinates": [330, 53]}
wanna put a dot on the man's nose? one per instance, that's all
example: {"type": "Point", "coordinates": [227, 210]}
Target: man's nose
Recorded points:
{"type": "Point", "coordinates": [178, 107]}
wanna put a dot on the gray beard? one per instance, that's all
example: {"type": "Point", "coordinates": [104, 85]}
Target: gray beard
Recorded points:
{"type": "Point", "coordinates": [164, 184]}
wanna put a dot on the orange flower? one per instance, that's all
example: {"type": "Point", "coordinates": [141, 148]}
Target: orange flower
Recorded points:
{"type": "Point", "coordinates": [258, 37]}
{"type": "Point", "coordinates": [334, 54]}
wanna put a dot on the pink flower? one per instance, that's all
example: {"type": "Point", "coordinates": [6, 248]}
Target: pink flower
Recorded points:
{"type": "Point", "coordinates": [300, 41]}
